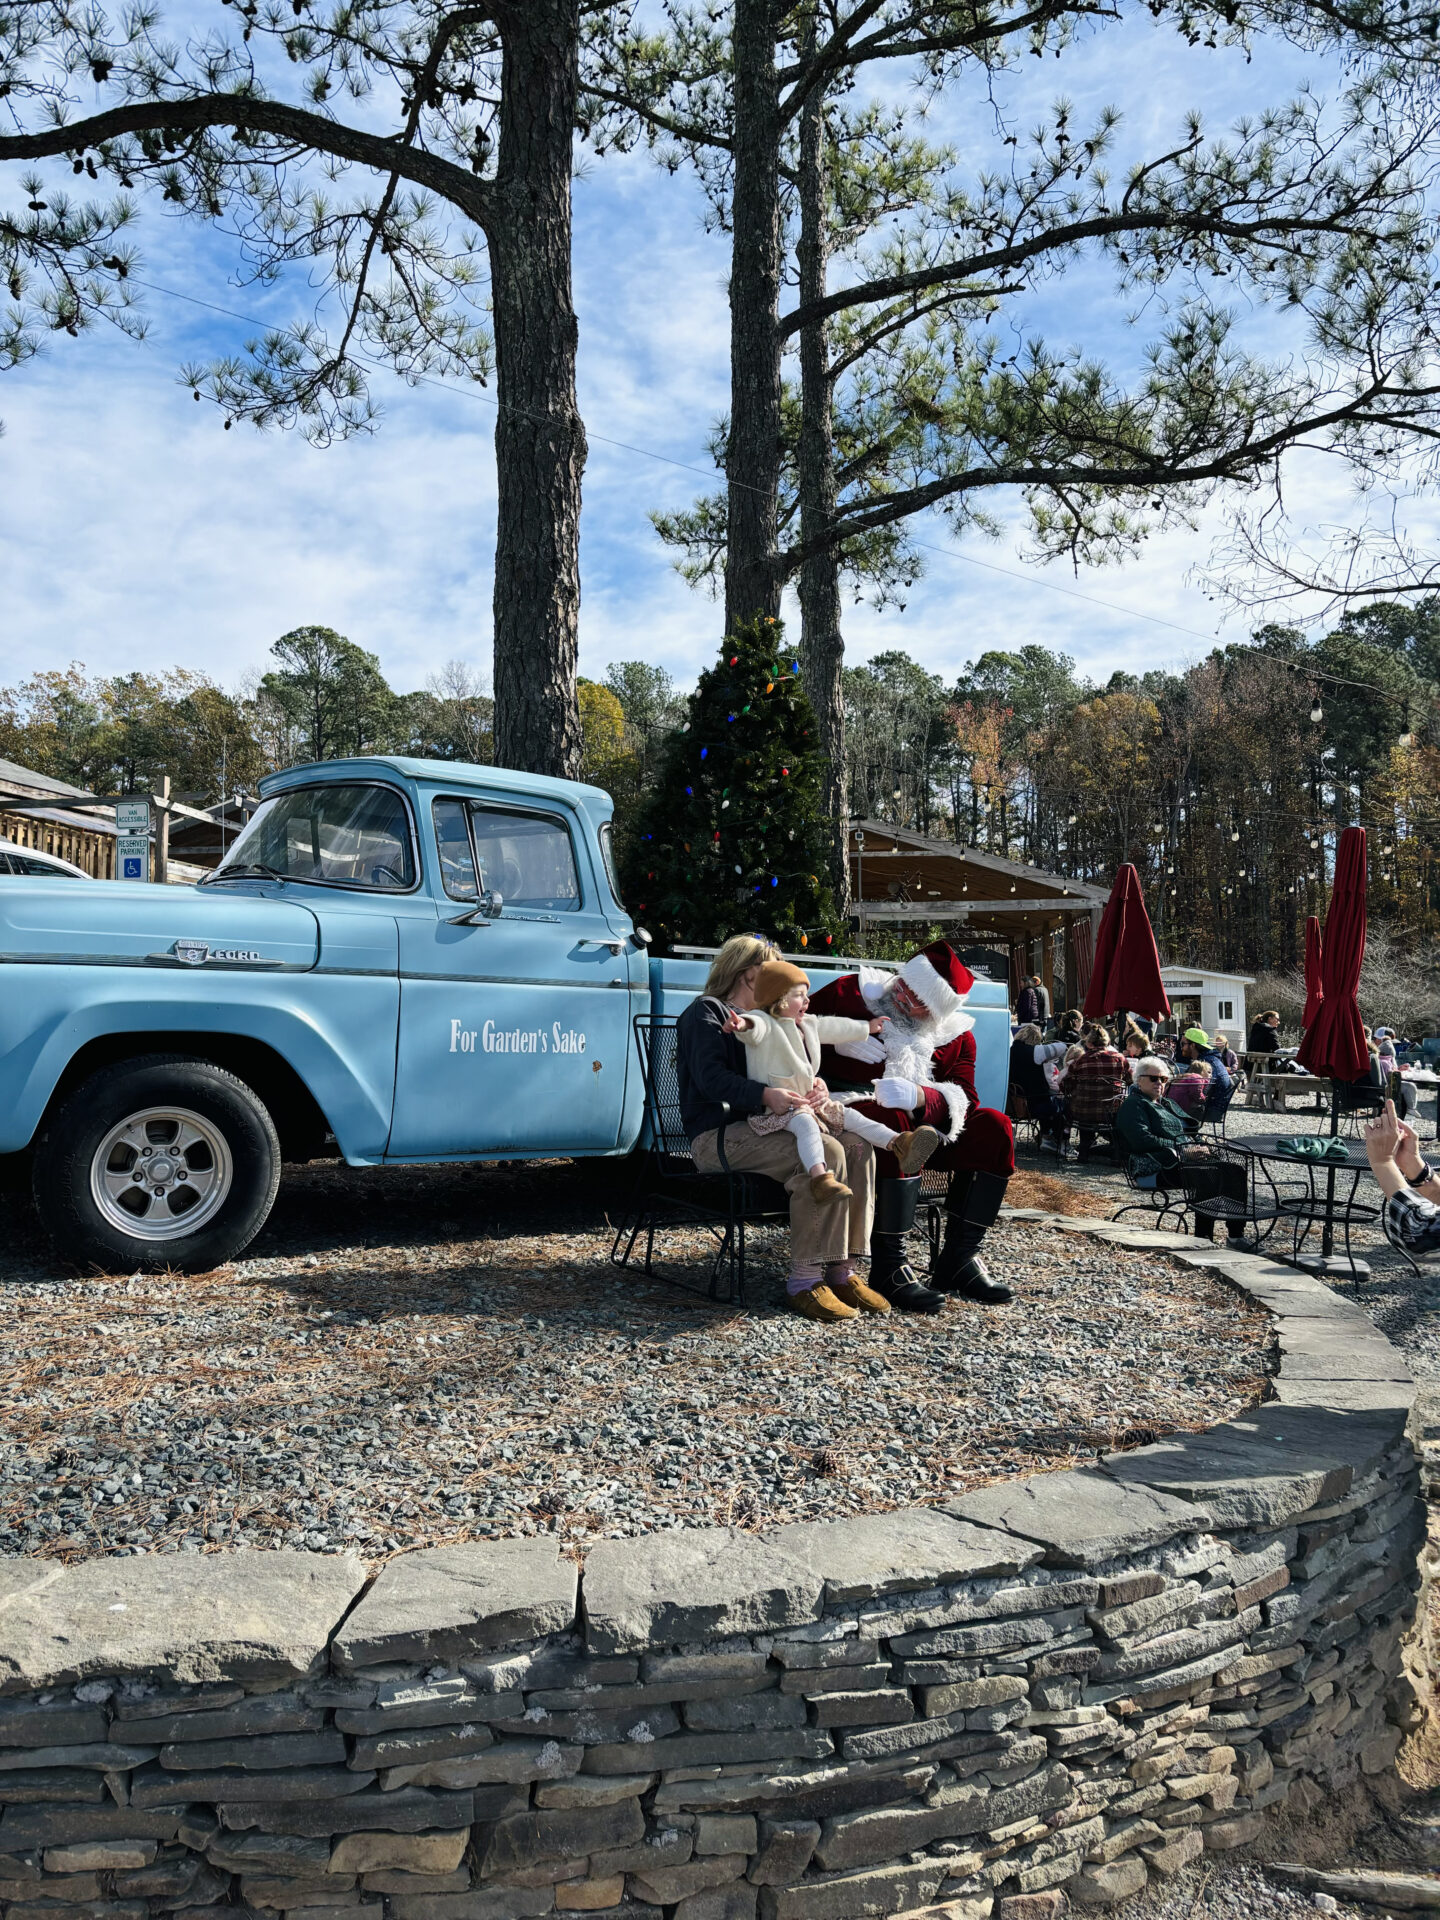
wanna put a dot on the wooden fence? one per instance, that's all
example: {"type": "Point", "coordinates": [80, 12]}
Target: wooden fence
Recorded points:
{"type": "Point", "coordinates": [95, 852]}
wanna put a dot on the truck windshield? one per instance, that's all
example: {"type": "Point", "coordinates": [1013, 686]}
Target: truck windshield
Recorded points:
{"type": "Point", "coordinates": [341, 836]}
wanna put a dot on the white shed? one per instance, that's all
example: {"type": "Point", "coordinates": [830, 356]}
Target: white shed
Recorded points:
{"type": "Point", "coordinates": [1200, 997]}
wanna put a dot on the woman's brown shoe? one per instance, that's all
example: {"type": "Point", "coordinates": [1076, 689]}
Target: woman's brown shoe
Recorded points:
{"type": "Point", "coordinates": [912, 1150]}
{"type": "Point", "coordinates": [855, 1293]}
{"type": "Point", "coordinates": [819, 1303]}
{"type": "Point", "coordinates": [825, 1189]}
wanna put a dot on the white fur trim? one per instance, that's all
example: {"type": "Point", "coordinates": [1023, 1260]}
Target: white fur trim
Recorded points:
{"type": "Point", "coordinates": [956, 1101]}
{"type": "Point", "coordinates": [922, 979]}
{"type": "Point", "coordinates": [951, 1028]}
{"type": "Point", "coordinates": [872, 984]}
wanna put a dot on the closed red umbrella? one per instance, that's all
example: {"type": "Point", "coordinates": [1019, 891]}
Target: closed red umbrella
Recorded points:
{"type": "Point", "coordinates": [1126, 970]}
{"type": "Point", "coordinates": [1335, 1043]}
{"type": "Point", "coordinates": [1314, 985]}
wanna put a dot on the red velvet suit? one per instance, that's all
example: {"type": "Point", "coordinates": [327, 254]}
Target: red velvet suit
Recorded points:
{"type": "Point", "coordinates": [982, 1141]}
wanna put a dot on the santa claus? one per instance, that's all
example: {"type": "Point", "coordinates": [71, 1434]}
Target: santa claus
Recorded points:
{"type": "Point", "coordinates": [921, 1067]}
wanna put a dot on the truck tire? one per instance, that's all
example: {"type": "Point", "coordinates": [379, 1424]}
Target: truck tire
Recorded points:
{"type": "Point", "coordinates": [162, 1161]}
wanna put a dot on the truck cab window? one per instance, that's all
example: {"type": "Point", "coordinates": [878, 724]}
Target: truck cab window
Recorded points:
{"type": "Point", "coordinates": [527, 858]}
{"type": "Point", "coordinates": [346, 836]}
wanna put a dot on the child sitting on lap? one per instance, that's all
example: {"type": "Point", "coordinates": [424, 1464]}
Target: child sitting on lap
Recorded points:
{"type": "Point", "coordinates": [784, 1041]}
{"type": "Point", "coordinates": [1190, 1089]}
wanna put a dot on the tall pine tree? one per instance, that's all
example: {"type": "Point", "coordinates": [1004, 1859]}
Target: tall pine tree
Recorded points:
{"type": "Point", "coordinates": [732, 838]}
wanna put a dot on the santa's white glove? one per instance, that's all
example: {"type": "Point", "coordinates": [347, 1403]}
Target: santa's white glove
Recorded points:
{"type": "Point", "coordinates": [871, 1050]}
{"type": "Point", "coordinates": [903, 1095]}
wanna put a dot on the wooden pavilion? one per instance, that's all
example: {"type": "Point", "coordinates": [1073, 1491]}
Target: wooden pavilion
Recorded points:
{"type": "Point", "coordinates": [899, 878]}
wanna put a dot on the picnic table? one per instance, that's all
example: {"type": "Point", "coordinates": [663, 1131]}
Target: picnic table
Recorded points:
{"type": "Point", "coordinates": [1273, 1092]}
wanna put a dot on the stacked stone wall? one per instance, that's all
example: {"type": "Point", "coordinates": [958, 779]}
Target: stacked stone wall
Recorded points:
{"type": "Point", "coordinates": [1067, 1683]}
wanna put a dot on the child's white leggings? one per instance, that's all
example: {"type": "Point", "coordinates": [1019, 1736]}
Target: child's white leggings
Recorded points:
{"type": "Point", "coordinates": [868, 1129]}
{"type": "Point", "coordinates": [810, 1140]}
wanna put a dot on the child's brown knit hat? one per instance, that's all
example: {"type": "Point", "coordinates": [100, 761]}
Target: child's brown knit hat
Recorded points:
{"type": "Point", "coordinates": [774, 981]}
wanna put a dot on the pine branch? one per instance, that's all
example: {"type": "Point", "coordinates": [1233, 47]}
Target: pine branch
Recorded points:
{"type": "Point", "coordinates": [248, 113]}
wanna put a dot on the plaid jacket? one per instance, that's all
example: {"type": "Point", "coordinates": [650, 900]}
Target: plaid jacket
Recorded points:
{"type": "Point", "coordinates": [1094, 1087]}
{"type": "Point", "coordinates": [1414, 1222]}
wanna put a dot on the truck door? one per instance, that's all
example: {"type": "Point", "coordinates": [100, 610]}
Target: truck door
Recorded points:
{"type": "Point", "coordinates": [515, 997]}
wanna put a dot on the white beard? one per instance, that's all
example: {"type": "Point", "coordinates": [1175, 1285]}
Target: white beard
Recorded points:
{"type": "Point", "coordinates": [910, 1046]}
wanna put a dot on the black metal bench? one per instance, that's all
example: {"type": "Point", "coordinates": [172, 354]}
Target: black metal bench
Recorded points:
{"type": "Point", "coordinates": [672, 1192]}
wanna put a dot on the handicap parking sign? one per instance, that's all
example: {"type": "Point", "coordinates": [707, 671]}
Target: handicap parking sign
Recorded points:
{"type": "Point", "coordinates": [132, 857]}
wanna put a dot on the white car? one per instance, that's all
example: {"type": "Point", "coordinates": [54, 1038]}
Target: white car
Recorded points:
{"type": "Point", "coordinates": [45, 866]}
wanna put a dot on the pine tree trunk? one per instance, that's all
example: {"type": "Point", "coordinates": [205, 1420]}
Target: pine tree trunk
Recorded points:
{"type": "Point", "coordinates": [539, 436]}
{"type": "Point", "coordinates": [822, 643]}
{"type": "Point", "coordinates": [752, 459]}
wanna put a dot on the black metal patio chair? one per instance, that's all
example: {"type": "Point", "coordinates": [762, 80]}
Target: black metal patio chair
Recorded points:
{"type": "Point", "coordinates": [1160, 1203]}
{"type": "Point", "coordinates": [671, 1192]}
{"type": "Point", "coordinates": [1355, 1107]}
{"type": "Point", "coordinates": [1261, 1209]}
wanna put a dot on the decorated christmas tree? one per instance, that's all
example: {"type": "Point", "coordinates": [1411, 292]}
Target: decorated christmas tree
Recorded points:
{"type": "Point", "coordinates": [732, 840]}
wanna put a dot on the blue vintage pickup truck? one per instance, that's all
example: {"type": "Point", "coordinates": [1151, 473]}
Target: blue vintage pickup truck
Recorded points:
{"type": "Point", "coordinates": [424, 960]}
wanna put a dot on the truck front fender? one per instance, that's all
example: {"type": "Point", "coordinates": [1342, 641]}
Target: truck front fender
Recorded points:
{"type": "Point", "coordinates": [337, 1032]}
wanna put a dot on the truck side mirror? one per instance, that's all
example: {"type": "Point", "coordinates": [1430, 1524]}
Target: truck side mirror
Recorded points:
{"type": "Point", "coordinates": [487, 908]}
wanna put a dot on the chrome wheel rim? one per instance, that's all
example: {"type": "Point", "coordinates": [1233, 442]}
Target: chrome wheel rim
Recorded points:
{"type": "Point", "coordinates": [161, 1173]}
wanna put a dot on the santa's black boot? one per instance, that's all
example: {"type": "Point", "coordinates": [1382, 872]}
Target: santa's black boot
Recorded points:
{"type": "Point", "coordinates": [971, 1207]}
{"type": "Point", "coordinates": [890, 1274]}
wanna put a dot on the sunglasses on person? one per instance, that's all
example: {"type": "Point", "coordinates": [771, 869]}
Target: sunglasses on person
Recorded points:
{"type": "Point", "coordinates": [1163, 1078]}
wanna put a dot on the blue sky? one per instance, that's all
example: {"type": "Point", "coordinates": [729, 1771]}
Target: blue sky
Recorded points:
{"type": "Point", "coordinates": [136, 533]}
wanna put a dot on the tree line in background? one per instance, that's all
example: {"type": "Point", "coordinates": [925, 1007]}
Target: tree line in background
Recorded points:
{"type": "Point", "coordinates": [1225, 783]}
{"type": "Point", "coordinates": [326, 698]}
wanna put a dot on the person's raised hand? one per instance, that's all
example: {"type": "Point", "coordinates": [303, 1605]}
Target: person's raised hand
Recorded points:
{"type": "Point", "coordinates": [1383, 1136]}
{"type": "Point", "coordinates": [734, 1022]}
{"type": "Point", "coordinates": [782, 1100]}
{"type": "Point", "coordinates": [879, 1024]}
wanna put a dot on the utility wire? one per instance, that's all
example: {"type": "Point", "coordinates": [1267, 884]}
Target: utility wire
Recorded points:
{"type": "Point", "coordinates": [711, 474]}
{"type": "Point", "coordinates": [685, 466]}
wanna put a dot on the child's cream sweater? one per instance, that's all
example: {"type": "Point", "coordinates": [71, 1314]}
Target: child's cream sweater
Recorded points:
{"type": "Point", "coordinates": [786, 1053]}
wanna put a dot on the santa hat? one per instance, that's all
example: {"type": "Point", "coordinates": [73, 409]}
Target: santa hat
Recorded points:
{"type": "Point", "coordinates": [939, 977]}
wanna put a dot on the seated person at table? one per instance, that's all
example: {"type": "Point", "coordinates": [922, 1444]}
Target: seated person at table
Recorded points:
{"type": "Point", "coordinates": [1363, 1095]}
{"type": "Point", "coordinates": [1093, 1086]}
{"type": "Point", "coordinates": [1197, 1045]}
{"type": "Point", "coordinates": [1158, 1138]}
{"type": "Point", "coordinates": [1407, 1180]}
{"type": "Point", "coordinates": [1028, 1057]}
{"type": "Point", "coordinates": [1190, 1088]}
{"type": "Point", "coordinates": [1227, 1054]}
{"type": "Point", "coordinates": [1265, 1034]}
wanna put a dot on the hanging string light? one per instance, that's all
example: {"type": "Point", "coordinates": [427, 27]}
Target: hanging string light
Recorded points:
{"type": "Point", "coordinates": [1317, 712]}
{"type": "Point", "coordinates": [1407, 738]}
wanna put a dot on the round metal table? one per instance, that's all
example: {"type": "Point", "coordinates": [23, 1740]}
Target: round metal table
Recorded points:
{"type": "Point", "coordinates": [1326, 1199]}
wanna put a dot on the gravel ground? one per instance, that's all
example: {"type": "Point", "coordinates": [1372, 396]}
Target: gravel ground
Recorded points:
{"type": "Point", "coordinates": [1235, 1893]}
{"type": "Point", "coordinates": [413, 1356]}
{"type": "Point", "coordinates": [1402, 1305]}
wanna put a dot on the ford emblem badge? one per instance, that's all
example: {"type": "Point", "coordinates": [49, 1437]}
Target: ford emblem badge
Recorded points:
{"type": "Point", "coordinates": [192, 953]}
